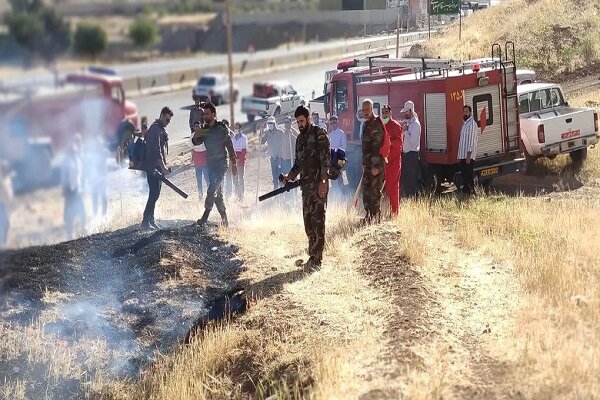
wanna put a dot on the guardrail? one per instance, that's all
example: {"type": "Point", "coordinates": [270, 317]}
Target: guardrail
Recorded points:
{"type": "Point", "coordinates": [177, 80]}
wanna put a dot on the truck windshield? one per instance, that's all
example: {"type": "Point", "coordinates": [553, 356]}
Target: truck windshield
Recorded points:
{"type": "Point", "coordinates": [539, 100]}
{"type": "Point", "coordinates": [207, 81]}
{"type": "Point", "coordinates": [340, 97]}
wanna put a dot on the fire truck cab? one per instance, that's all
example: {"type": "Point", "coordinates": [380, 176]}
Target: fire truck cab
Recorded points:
{"type": "Point", "coordinates": [439, 89]}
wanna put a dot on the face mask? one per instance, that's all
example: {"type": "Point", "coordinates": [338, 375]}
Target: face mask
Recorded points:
{"type": "Point", "coordinates": [386, 120]}
{"type": "Point", "coordinates": [465, 117]}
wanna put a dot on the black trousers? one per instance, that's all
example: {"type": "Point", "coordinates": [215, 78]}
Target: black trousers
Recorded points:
{"type": "Point", "coordinates": [410, 174]}
{"type": "Point", "coordinates": [466, 172]}
{"type": "Point", "coordinates": [154, 184]}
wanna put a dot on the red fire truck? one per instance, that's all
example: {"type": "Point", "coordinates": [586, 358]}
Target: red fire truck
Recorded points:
{"type": "Point", "coordinates": [439, 89]}
{"type": "Point", "coordinates": [38, 122]}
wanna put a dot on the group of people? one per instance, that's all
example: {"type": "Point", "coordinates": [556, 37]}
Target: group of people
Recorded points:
{"type": "Point", "coordinates": [390, 161]}
{"type": "Point", "coordinates": [390, 156]}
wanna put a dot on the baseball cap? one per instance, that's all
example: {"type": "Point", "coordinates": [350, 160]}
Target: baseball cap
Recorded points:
{"type": "Point", "coordinates": [409, 105]}
{"type": "Point", "coordinates": [287, 120]}
{"type": "Point", "coordinates": [271, 120]}
{"type": "Point", "coordinates": [333, 118]}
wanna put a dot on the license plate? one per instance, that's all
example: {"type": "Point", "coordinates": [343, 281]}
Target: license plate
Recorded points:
{"type": "Point", "coordinates": [489, 171]}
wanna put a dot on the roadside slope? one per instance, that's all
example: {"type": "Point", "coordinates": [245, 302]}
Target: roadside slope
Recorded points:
{"type": "Point", "coordinates": [550, 36]}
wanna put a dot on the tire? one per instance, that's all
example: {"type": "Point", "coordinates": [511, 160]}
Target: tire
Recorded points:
{"type": "Point", "coordinates": [235, 96]}
{"type": "Point", "coordinates": [277, 112]}
{"type": "Point", "coordinates": [251, 118]}
{"type": "Point", "coordinates": [217, 100]}
{"type": "Point", "coordinates": [578, 157]}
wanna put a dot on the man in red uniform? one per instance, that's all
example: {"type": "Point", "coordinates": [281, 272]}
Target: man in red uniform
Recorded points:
{"type": "Point", "coordinates": [392, 168]}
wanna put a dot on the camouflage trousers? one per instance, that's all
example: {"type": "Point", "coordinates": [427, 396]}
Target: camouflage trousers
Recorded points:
{"type": "Point", "coordinates": [371, 188]}
{"type": "Point", "coordinates": [313, 212]}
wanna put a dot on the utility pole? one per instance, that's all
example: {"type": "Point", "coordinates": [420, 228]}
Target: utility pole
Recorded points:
{"type": "Point", "coordinates": [398, 34]}
{"type": "Point", "coordinates": [364, 14]}
{"type": "Point", "coordinates": [230, 62]}
{"type": "Point", "coordinates": [429, 17]}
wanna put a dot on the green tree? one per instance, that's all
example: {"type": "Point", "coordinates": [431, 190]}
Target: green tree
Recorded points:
{"type": "Point", "coordinates": [38, 29]}
{"type": "Point", "coordinates": [142, 32]}
{"type": "Point", "coordinates": [89, 40]}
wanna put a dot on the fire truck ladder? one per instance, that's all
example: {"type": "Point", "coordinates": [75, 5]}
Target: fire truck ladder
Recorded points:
{"type": "Point", "coordinates": [511, 101]}
{"type": "Point", "coordinates": [423, 65]}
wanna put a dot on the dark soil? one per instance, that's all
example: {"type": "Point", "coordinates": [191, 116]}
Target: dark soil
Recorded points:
{"type": "Point", "coordinates": [140, 292]}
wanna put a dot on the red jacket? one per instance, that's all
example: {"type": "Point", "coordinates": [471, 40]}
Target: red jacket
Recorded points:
{"type": "Point", "coordinates": [394, 129]}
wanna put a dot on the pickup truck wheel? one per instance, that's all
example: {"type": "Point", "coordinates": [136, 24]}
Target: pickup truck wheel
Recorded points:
{"type": "Point", "coordinates": [251, 118]}
{"type": "Point", "coordinates": [578, 157]}
{"type": "Point", "coordinates": [217, 100]}
{"type": "Point", "coordinates": [277, 112]}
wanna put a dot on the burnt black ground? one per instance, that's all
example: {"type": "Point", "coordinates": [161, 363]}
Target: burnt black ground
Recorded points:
{"type": "Point", "coordinates": [138, 291]}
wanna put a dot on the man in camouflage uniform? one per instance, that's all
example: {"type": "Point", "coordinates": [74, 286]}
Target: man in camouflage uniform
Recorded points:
{"type": "Point", "coordinates": [219, 148]}
{"type": "Point", "coordinates": [312, 163]}
{"type": "Point", "coordinates": [376, 149]}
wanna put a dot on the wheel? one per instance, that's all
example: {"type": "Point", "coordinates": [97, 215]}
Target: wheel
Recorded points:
{"type": "Point", "coordinates": [236, 94]}
{"type": "Point", "coordinates": [217, 100]}
{"type": "Point", "coordinates": [277, 112]}
{"type": "Point", "coordinates": [251, 118]}
{"type": "Point", "coordinates": [578, 157]}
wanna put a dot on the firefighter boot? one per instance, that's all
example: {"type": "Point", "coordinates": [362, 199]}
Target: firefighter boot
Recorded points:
{"type": "Point", "coordinates": [202, 221]}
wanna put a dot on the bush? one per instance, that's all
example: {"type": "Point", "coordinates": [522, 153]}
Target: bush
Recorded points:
{"type": "Point", "coordinates": [90, 40]}
{"type": "Point", "coordinates": [142, 32]}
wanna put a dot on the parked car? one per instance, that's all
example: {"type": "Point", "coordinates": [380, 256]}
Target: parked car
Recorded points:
{"type": "Point", "coordinates": [550, 126]}
{"type": "Point", "coordinates": [271, 98]}
{"type": "Point", "coordinates": [215, 88]}
{"type": "Point", "coordinates": [525, 76]}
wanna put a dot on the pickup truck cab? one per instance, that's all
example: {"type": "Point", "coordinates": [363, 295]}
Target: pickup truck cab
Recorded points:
{"type": "Point", "coordinates": [549, 126]}
{"type": "Point", "coordinates": [271, 98]}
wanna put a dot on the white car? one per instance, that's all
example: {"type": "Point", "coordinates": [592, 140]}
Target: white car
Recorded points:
{"type": "Point", "coordinates": [271, 98]}
{"type": "Point", "coordinates": [550, 126]}
{"type": "Point", "coordinates": [214, 88]}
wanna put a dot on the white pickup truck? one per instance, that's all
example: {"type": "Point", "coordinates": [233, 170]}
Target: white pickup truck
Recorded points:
{"type": "Point", "coordinates": [271, 99]}
{"type": "Point", "coordinates": [549, 126]}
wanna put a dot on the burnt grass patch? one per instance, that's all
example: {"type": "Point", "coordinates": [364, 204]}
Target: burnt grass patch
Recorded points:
{"type": "Point", "coordinates": [136, 293]}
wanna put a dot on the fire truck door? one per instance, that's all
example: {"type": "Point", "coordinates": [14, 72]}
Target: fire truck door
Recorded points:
{"type": "Point", "coordinates": [491, 140]}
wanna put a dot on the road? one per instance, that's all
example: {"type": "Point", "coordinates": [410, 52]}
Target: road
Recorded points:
{"type": "Point", "coordinates": [158, 67]}
{"type": "Point", "coordinates": [304, 80]}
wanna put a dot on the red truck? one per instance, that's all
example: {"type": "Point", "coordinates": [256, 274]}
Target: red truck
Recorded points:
{"type": "Point", "coordinates": [439, 88]}
{"type": "Point", "coordinates": [39, 122]}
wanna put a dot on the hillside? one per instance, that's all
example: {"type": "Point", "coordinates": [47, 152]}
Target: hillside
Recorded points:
{"type": "Point", "coordinates": [551, 36]}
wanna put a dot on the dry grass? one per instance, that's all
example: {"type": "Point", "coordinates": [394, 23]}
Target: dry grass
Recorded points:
{"type": "Point", "coordinates": [304, 335]}
{"type": "Point", "coordinates": [550, 36]}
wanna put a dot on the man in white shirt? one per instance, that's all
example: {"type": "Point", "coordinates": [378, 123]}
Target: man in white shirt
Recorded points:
{"type": "Point", "coordinates": [317, 121]}
{"type": "Point", "coordinates": [337, 137]}
{"type": "Point", "coordinates": [240, 146]}
{"type": "Point", "coordinates": [411, 146]}
{"type": "Point", "coordinates": [337, 140]}
{"type": "Point", "coordinates": [467, 150]}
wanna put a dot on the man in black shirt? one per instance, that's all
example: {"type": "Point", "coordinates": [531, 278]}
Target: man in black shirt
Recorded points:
{"type": "Point", "coordinates": [156, 144]}
{"type": "Point", "coordinates": [219, 148]}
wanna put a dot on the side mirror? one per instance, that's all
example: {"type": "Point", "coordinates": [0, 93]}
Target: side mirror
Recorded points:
{"type": "Point", "coordinates": [326, 103]}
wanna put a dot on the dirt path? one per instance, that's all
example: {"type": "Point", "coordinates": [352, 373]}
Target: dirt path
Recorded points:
{"type": "Point", "coordinates": [450, 318]}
